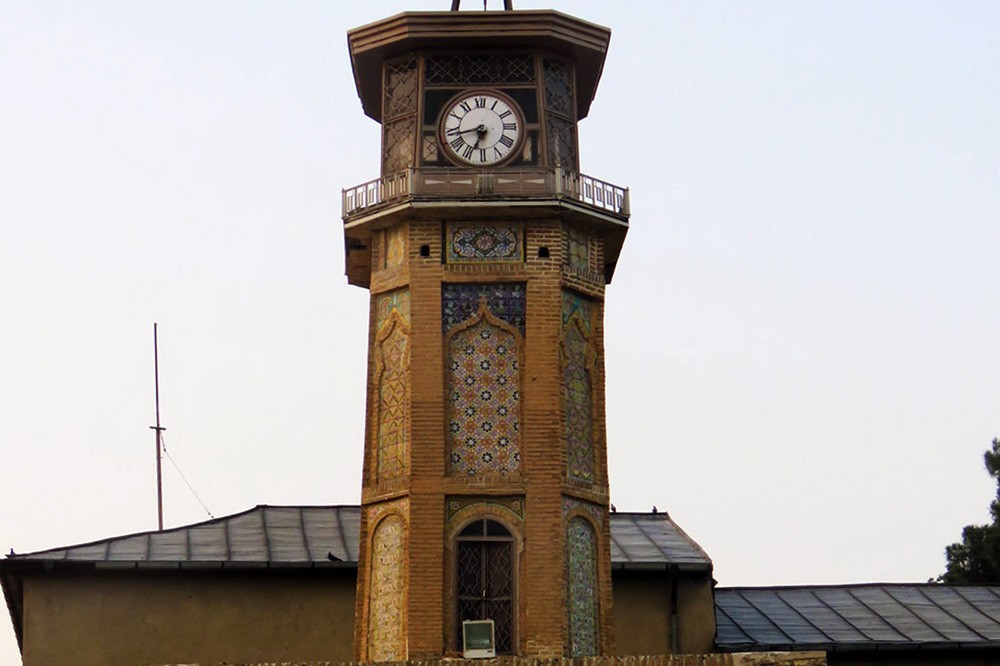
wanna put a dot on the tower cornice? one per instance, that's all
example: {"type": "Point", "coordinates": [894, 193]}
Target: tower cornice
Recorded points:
{"type": "Point", "coordinates": [372, 44]}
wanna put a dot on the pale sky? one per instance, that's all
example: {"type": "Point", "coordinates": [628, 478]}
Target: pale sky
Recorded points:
{"type": "Point", "coordinates": [802, 333]}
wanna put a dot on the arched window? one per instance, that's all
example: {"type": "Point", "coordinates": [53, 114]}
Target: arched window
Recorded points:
{"type": "Point", "coordinates": [484, 580]}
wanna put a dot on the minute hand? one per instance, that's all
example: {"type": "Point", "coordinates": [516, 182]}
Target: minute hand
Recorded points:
{"type": "Point", "coordinates": [478, 128]}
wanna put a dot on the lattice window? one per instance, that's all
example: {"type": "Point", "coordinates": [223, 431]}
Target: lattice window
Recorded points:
{"type": "Point", "coordinates": [581, 545]}
{"type": "Point", "coordinates": [398, 138]}
{"type": "Point", "coordinates": [479, 69]}
{"type": "Point", "coordinates": [561, 134]}
{"type": "Point", "coordinates": [400, 87]}
{"type": "Point", "coordinates": [386, 596]}
{"type": "Point", "coordinates": [558, 87]}
{"type": "Point", "coordinates": [484, 580]}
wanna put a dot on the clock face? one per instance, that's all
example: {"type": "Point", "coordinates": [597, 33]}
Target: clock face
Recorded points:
{"type": "Point", "coordinates": [481, 128]}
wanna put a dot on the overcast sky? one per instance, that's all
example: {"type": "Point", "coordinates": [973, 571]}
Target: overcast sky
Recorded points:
{"type": "Point", "coordinates": [802, 333]}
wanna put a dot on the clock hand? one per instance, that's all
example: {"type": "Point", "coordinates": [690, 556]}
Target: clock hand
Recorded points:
{"type": "Point", "coordinates": [478, 128]}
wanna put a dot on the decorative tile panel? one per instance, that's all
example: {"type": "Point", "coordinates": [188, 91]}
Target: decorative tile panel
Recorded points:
{"type": "Point", "coordinates": [577, 248]}
{"type": "Point", "coordinates": [513, 504]}
{"type": "Point", "coordinates": [581, 545]}
{"type": "Point", "coordinates": [483, 409]}
{"type": "Point", "coordinates": [388, 303]}
{"type": "Point", "coordinates": [578, 353]}
{"type": "Point", "coordinates": [595, 511]}
{"type": "Point", "coordinates": [386, 641]}
{"type": "Point", "coordinates": [476, 243]}
{"type": "Point", "coordinates": [505, 301]}
{"type": "Point", "coordinates": [392, 363]}
{"type": "Point", "coordinates": [395, 246]}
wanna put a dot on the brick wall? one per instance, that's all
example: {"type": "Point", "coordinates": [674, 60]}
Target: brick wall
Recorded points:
{"type": "Point", "coordinates": [734, 659]}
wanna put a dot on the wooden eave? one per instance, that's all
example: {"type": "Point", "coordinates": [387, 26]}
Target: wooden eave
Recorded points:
{"type": "Point", "coordinates": [414, 32]}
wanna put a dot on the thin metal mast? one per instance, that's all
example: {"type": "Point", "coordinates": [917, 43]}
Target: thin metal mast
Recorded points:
{"type": "Point", "coordinates": [159, 430]}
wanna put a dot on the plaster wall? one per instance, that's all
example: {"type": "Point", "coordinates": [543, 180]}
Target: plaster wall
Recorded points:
{"type": "Point", "coordinates": [642, 614]}
{"type": "Point", "coordinates": [112, 619]}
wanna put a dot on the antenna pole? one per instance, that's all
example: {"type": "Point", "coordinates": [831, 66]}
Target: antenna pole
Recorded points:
{"type": "Point", "coordinates": [159, 430]}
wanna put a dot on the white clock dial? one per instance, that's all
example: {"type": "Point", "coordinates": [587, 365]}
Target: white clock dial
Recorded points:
{"type": "Point", "coordinates": [481, 128]}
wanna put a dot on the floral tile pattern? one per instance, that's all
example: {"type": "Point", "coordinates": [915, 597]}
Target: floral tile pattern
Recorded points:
{"type": "Point", "coordinates": [578, 352]}
{"type": "Point", "coordinates": [473, 243]}
{"type": "Point", "coordinates": [483, 409]}
{"type": "Point", "coordinates": [505, 301]}
{"type": "Point", "coordinates": [581, 544]}
{"type": "Point", "coordinates": [387, 592]}
{"type": "Point", "coordinates": [483, 325]}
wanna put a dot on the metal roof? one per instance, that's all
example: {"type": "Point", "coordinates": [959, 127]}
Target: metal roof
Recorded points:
{"type": "Point", "coordinates": [857, 617]}
{"type": "Point", "coordinates": [650, 540]}
{"type": "Point", "coordinates": [310, 535]}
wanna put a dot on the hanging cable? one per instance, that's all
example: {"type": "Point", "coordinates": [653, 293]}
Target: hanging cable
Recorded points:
{"type": "Point", "coordinates": [184, 478]}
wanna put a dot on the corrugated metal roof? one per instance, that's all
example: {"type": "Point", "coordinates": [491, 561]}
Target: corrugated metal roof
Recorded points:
{"type": "Point", "coordinates": [857, 617]}
{"type": "Point", "coordinates": [311, 534]}
{"type": "Point", "coordinates": [263, 535]}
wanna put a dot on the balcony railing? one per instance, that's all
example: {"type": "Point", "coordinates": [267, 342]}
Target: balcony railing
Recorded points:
{"type": "Point", "coordinates": [441, 183]}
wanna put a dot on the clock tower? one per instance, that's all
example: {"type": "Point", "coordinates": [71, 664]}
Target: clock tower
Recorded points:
{"type": "Point", "coordinates": [486, 252]}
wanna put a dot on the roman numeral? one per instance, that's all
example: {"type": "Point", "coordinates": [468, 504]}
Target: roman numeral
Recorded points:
{"type": "Point", "coordinates": [455, 116]}
{"type": "Point", "coordinates": [497, 153]}
{"type": "Point", "coordinates": [494, 105]}
{"type": "Point", "coordinates": [505, 113]}
{"type": "Point", "coordinates": [457, 142]}
{"type": "Point", "coordinates": [467, 152]}
{"type": "Point", "coordinates": [510, 126]}
{"type": "Point", "coordinates": [482, 154]}
{"type": "Point", "coordinates": [465, 107]}
{"type": "Point", "coordinates": [480, 102]}
{"type": "Point", "coordinates": [506, 140]}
